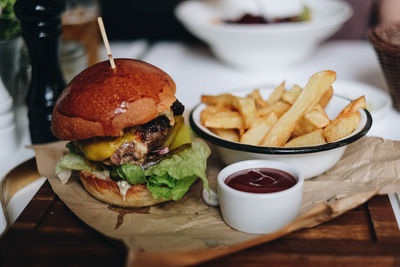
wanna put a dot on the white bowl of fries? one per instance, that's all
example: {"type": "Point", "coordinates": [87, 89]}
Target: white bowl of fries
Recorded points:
{"type": "Point", "coordinates": [260, 45]}
{"type": "Point", "coordinates": [309, 128]}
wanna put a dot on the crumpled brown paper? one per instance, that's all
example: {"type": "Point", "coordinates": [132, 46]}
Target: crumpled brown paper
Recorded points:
{"type": "Point", "coordinates": [189, 231]}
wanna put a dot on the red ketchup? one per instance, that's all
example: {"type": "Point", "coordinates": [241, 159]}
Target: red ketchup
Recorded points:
{"type": "Point", "coordinates": [260, 180]}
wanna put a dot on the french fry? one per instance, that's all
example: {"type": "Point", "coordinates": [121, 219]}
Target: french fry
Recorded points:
{"type": "Point", "coordinates": [259, 129]}
{"type": "Point", "coordinates": [354, 106]}
{"type": "Point", "coordinates": [316, 86]}
{"type": "Point", "coordinates": [312, 120]}
{"type": "Point", "coordinates": [247, 109]}
{"type": "Point", "coordinates": [226, 100]}
{"type": "Point", "coordinates": [214, 109]}
{"type": "Point", "coordinates": [341, 126]}
{"type": "Point", "coordinates": [309, 139]}
{"type": "Point", "coordinates": [210, 111]}
{"type": "Point", "coordinates": [227, 134]}
{"type": "Point", "coordinates": [317, 118]}
{"type": "Point", "coordinates": [278, 108]}
{"type": "Point", "coordinates": [291, 95]}
{"type": "Point", "coordinates": [276, 94]}
{"type": "Point", "coordinates": [303, 127]}
{"type": "Point", "coordinates": [255, 94]}
{"type": "Point", "coordinates": [346, 121]}
{"type": "Point", "coordinates": [318, 108]}
{"type": "Point", "coordinates": [326, 97]}
{"type": "Point", "coordinates": [222, 120]}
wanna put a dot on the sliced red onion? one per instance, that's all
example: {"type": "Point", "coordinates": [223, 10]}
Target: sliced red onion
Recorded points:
{"type": "Point", "coordinates": [161, 151]}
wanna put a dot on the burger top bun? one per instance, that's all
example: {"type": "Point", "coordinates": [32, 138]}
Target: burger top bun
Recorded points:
{"type": "Point", "coordinates": [101, 101]}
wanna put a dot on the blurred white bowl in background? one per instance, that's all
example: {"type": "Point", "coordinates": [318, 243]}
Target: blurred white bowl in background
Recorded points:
{"type": "Point", "coordinates": [260, 45]}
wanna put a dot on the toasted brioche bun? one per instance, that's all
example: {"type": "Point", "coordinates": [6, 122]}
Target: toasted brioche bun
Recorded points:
{"type": "Point", "coordinates": [108, 191]}
{"type": "Point", "coordinates": [101, 101]}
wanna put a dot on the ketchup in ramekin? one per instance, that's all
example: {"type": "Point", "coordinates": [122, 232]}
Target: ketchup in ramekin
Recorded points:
{"type": "Point", "coordinates": [259, 196]}
{"type": "Point", "coordinates": [260, 180]}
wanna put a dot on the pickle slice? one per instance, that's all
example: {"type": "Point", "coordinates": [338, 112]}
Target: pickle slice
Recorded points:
{"type": "Point", "coordinates": [182, 137]}
{"type": "Point", "coordinates": [174, 131]}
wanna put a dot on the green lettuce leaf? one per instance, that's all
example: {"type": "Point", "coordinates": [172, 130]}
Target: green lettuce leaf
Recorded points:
{"type": "Point", "coordinates": [10, 26]}
{"type": "Point", "coordinates": [189, 163]}
{"type": "Point", "coordinates": [74, 162]}
{"type": "Point", "coordinates": [175, 193]}
{"type": "Point", "coordinates": [170, 178]}
{"type": "Point", "coordinates": [165, 180]}
{"type": "Point", "coordinates": [132, 173]}
{"type": "Point", "coordinates": [68, 162]}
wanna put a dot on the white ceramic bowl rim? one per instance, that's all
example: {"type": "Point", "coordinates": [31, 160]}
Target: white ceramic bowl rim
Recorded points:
{"type": "Point", "coordinates": [343, 15]}
{"type": "Point", "coordinates": [280, 150]}
{"type": "Point", "coordinates": [247, 164]}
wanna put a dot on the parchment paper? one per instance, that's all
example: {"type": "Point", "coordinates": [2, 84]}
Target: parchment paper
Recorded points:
{"type": "Point", "coordinates": [189, 231]}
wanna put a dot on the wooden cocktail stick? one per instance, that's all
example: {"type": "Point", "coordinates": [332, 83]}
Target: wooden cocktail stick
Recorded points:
{"type": "Point", "coordinates": [105, 40]}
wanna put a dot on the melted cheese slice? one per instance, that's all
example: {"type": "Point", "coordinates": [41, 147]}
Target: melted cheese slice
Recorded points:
{"type": "Point", "coordinates": [101, 149]}
{"type": "Point", "coordinates": [98, 150]}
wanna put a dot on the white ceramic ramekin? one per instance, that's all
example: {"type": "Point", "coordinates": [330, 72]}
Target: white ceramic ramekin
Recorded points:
{"type": "Point", "coordinates": [259, 213]}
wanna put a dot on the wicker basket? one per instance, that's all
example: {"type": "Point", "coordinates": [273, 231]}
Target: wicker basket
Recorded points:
{"type": "Point", "coordinates": [386, 41]}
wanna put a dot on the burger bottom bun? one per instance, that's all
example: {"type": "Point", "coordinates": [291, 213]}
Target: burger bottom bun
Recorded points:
{"type": "Point", "coordinates": [108, 191]}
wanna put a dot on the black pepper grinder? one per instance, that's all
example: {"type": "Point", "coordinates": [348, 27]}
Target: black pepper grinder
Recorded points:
{"type": "Point", "coordinates": [41, 29]}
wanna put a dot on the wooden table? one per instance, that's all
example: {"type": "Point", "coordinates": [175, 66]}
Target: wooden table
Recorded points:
{"type": "Point", "coordinates": [48, 234]}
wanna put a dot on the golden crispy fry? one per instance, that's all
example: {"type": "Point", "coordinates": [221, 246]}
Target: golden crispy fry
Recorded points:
{"type": "Point", "coordinates": [303, 127]}
{"type": "Point", "coordinates": [291, 95]}
{"type": "Point", "coordinates": [310, 139]}
{"type": "Point", "coordinates": [318, 108]}
{"type": "Point", "coordinates": [278, 108]}
{"type": "Point", "coordinates": [346, 121]}
{"type": "Point", "coordinates": [354, 106]}
{"type": "Point", "coordinates": [309, 97]}
{"type": "Point", "coordinates": [326, 98]}
{"type": "Point", "coordinates": [259, 129]}
{"type": "Point", "coordinates": [214, 109]}
{"type": "Point", "coordinates": [227, 134]}
{"type": "Point", "coordinates": [210, 111]}
{"type": "Point", "coordinates": [341, 126]}
{"type": "Point", "coordinates": [247, 109]}
{"type": "Point", "coordinates": [311, 121]}
{"type": "Point", "coordinates": [226, 100]}
{"type": "Point", "coordinates": [317, 118]}
{"type": "Point", "coordinates": [223, 120]}
{"type": "Point", "coordinates": [276, 94]}
{"type": "Point", "coordinates": [255, 94]}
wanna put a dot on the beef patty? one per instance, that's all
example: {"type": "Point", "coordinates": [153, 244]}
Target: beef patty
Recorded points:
{"type": "Point", "coordinates": [147, 137]}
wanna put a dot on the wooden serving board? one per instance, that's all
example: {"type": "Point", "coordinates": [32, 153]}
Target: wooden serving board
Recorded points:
{"type": "Point", "coordinates": [48, 234]}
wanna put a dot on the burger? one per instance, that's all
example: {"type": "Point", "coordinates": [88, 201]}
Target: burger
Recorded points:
{"type": "Point", "coordinates": [128, 141]}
